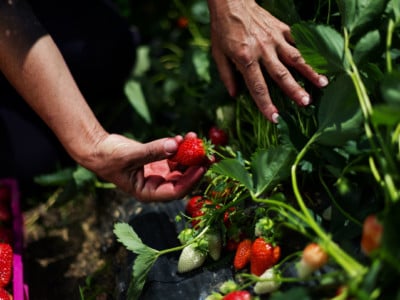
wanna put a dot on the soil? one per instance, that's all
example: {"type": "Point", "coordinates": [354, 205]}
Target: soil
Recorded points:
{"type": "Point", "coordinates": [70, 247]}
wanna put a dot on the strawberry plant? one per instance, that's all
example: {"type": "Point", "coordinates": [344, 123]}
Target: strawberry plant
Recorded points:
{"type": "Point", "coordinates": [316, 177]}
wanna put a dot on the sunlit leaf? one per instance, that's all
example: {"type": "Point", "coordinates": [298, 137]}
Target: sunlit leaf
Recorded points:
{"type": "Point", "coordinates": [134, 93]}
{"type": "Point", "coordinates": [142, 266]}
{"type": "Point", "coordinates": [143, 62]}
{"type": "Point", "coordinates": [82, 176]}
{"type": "Point", "coordinates": [321, 46]}
{"type": "Point", "coordinates": [60, 177]}
{"type": "Point", "coordinates": [129, 238]}
{"type": "Point", "coordinates": [339, 114]}
{"type": "Point", "coordinates": [201, 63]}
{"type": "Point", "coordinates": [234, 169]}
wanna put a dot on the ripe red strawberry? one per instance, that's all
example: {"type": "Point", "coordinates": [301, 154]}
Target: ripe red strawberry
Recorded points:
{"type": "Point", "coordinates": [262, 256]}
{"type": "Point", "coordinates": [6, 262]}
{"type": "Point", "coordinates": [276, 254]}
{"type": "Point", "coordinates": [182, 22]}
{"type": "Point", "coordinates": [194, 204]}
{"type": "Point", "coordinates": [238, 295]}
{"type": "Point", "coordinates": [242, 255]}
{"type": "Point", "coordinates": [192, 151]}
{"type": "Point", "coordinates": [4, 295]}
{"type": "Point", "coordinates": [371, 234]}
{"type": "Point", "coordinates": [218, 136]}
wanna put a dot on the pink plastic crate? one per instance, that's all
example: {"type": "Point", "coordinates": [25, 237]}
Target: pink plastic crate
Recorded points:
{"type": "Point", "coordinates": [20, 289]}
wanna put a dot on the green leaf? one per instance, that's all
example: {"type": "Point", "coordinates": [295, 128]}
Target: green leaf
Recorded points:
{"type": "Point", "coordinates": [390, 240]}
{"type": "Point", "coordinates": [129, 238]}
{"type": "Point", "coordinates": [390, 88]}
{"type": "Point", "coordinates": [143, 61]}
{"type": "Point", "coordinates": [270, 167]}
{"type": "Point", "coordinates": [82, 176]}
{"type": "Point", "coordinates": [321, 46]}
{"type": "Point", "coordinates": [201, 63]}
{"type": "Point", "coordinates": [386, 115]}
{"type": "Point", "coordinates": [233, 168]}
{"type": "Point", "coordinates": [283, 10]}
{"type": "Point", "coordinates": [58, 178]}
{"type": "Point", "coordinates": [293, 293]}
{"type": "Point", "coordinates": [141, 267]}
{"type": "Point", "coordinates": [339, 114]}
{"type": "Point", "coordinates": [358, 14]}
{"type": "Point", "coordinates": [366, 46]}
{"type": "Point", "coordinates": [134, 93]}
{"type": "Point", "coordinates": [395, 4]}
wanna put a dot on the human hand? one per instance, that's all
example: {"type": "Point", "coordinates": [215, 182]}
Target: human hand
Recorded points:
{"type": "Point", "coordinates": [247, 36]}
{"type": "Point", "coordinates": [142, 170]}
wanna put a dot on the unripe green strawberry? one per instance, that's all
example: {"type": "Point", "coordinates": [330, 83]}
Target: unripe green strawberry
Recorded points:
{"type": "Point", "coordinates": [214, 244]}
{"type": "Point", "coordinates": [191, 258]}
{"type": "Point", "coordinates": [269, 282]}
{"type": "Point", "coordinates": [192, 151]}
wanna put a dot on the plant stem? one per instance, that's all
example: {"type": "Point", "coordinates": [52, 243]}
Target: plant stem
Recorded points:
{"type": "Point", "coordinates": [180, 247]}
{"type": "Point", "coordinates": [386, 161]}
{"type": "Point", "coordinates": [389, 37]}
{"type": "Point", "coordinates": [350, 265]}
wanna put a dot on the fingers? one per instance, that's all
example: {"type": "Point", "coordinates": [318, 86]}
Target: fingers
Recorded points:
{"type": "Point", "coordinates": [225, 72]}
{"type": "Point", "coordinates": [159, 149]}
{"type": "Point", "coordinates": [258, 89]}
{"type": "Point", "coordinates": [284, 79]}
{"type": "Point", "coordinates": [175, 186]}
{"type": "Point", "coordinates": [292, 57]}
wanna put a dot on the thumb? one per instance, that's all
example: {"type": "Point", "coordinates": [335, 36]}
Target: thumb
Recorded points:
{"type": "Point", "coordinates": [160, 149]}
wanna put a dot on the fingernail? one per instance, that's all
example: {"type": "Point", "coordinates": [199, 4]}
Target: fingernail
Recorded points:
{"type": "Point", "coordinates": [323, 81]}
{"type": "Point", "coordinates": [306, 100]}
{"type": "Point", "coordinates": [170, 146]}
{"type": "Point", "coordinates": [275, 117]}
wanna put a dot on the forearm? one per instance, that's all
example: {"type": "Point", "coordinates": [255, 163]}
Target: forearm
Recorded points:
{"type": "Point", "coordinates": [34, 66]}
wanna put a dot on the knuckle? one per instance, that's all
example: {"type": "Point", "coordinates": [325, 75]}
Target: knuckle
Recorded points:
{"type": "Point", "coordinates": [243, 55]}
{"type": "Point", "coordinates": [281, 74]}
{"type": "Point", "coordinates": [259, 89]}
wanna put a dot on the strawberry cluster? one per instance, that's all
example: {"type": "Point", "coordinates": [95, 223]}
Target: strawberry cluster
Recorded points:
{"type": "Point", "coordinates": [6, 241]}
